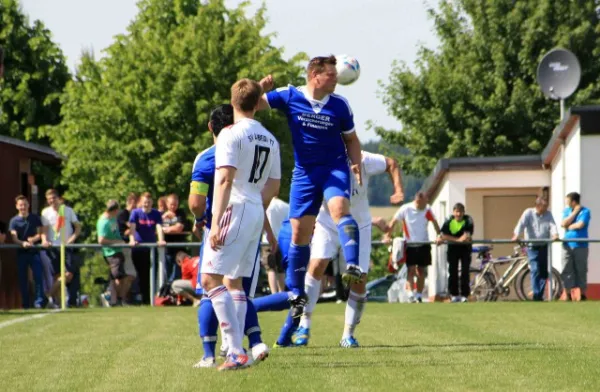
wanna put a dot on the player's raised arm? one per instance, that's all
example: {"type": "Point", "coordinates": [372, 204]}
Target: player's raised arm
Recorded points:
{"type": "Point", "coordinates": [353, 148]}
{"type": "Point", "coordinates": [266, 84]}
{"type": "Point", "coordinates": [395, 175]}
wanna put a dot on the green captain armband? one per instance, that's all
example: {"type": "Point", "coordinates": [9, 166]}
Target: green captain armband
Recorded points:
{"type": "Point", "coordinates": [199, 188]}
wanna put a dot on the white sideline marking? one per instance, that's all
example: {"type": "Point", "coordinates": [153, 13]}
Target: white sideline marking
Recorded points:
{"type": "Point", "coordinates": [26, 318]}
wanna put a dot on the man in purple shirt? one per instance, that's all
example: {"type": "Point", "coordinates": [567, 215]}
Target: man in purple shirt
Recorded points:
{"type": "Point", "coordinates": [145, 226]}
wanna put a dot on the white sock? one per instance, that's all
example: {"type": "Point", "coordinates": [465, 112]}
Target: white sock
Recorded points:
{"type": "Point", "coordinates": [312, 287]}
{"type": "Point", "coordinates": [418, 295]}
{"type": "Point", "coordinates": [240, 302]}
{"type": "Point", "coordinates": [225, 311]}
{"type": "Point", "coordinates": [354, 310]}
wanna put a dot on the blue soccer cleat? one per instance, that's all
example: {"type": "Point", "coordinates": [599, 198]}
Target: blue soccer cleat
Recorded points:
{"type": "Point", "coordinates": [276, 345]}
{"type": "Point", "coordinates": [301, 336]}
{"type": "Point", "coordinates": [349, 342]}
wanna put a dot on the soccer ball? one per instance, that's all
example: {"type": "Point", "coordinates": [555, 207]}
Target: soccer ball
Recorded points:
{"type": "Point", "coordinates": [348, 69]}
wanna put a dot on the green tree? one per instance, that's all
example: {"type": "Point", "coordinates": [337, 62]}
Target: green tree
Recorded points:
{"type": "Point", "coordinates": [381, 187]}
{"type": "Point", "coordinates": [35, 75]}
{"type": "Point", "coordinates": [135, 120]}
{"type": "Point", "coordinates": [477, 95]}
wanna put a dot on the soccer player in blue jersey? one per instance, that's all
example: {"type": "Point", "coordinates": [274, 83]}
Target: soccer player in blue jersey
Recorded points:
{"type": "Point", "coordinates": [324, 137]}
{"type": "Point", "coordinates": [201, 190]}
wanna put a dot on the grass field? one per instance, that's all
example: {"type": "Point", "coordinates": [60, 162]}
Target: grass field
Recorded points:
{"type": "Point", "coordinates": [413, 347]}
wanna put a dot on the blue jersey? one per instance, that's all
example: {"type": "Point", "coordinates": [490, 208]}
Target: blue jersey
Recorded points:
{"type": "Point", "coordinates": [316, 126]}
{"type": "Point", "coordinates": [203, 178]}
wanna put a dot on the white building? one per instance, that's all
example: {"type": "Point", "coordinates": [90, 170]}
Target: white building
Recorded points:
{"type": "Point", "coordinates": [496, 190]}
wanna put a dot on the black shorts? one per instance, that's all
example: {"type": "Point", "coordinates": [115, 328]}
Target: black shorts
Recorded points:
{"type": "Point", "coordinates": [270, 261]}
{"type": "Point", "coordinates": [116, 263]}
{"type": "Point", "coordinates": [418, 255]}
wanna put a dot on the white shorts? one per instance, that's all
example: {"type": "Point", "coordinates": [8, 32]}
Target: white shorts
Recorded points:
{"type": "Point", "coordinates": [325, 244]}
{"type": "Point", "coordinates": [241, 228]}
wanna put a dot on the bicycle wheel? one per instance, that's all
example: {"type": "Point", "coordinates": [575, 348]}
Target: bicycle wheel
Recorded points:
{"type": "Point", "coordinates": [482, 286]}
{"type": "Point", "coordinates": [525, 291]}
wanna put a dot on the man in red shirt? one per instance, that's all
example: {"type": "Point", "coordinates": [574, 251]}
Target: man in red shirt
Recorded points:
{"type": "Point", "coordinates": [186, 286]}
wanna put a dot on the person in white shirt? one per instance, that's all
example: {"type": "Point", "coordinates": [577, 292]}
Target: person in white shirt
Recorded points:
{"type": "Point", "coordinates": [277, 212]}
{"type": "Point", "coordinates": [248, 176]}
{"type": "Point", "coordinates": [51, 237]}
{"type": "Point", "coordinates": [325, 246]}
{"type": "Point", "coordinates": [415, 218]}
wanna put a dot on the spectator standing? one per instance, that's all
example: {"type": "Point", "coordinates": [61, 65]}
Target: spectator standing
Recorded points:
{"type": "Point", "coordinates": [277, 212]}
{"type": "Point", "coordinates": [123, 217]}
{"type": "Point", "coordinates": [174, 227]}
{"type": "Point", "coordinates": [186, 286]}
{"type": "Point", "coordinates": [26, 231]}
{"type": "Point", "coordinates": [50, 220]}
{"type": "Point", "coordinates": [576, 220]}
{"type": "Point", "coordinates": [415, 218]}
{"type": "Point", "coordinates": [145, 225]}
{"type": "Point", "coordinates": [537, 223]}
{"type": "Point", "coordinates": [122, 271]}
{"type": "Point", "coordinates": [458, 229]}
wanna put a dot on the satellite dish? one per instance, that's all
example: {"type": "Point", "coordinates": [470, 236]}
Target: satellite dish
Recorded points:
{"type": "Point", "coordinates": [559, 74]}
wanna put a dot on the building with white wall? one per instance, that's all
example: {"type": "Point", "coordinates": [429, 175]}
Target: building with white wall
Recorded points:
{"type": "Point", "coordinates": [496, 190]}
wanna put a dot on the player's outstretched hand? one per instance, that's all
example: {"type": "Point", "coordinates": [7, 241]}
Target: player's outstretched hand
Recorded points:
{"type": "Point", "coordinates": [397, 198]}
{"type": "Point", "coordinates": [267, 83]}
{"type": "Point", "coordinates": [357, 173]}
{"type": "Point", "coordinates": [214, 237]}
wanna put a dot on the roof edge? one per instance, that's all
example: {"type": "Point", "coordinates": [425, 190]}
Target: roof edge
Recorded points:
{"type": "Point", "coordinates": [511, 162]}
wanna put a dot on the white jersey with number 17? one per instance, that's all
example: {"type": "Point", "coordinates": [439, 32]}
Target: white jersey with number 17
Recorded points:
{"type": "Point", "coordinates": [254, 152]}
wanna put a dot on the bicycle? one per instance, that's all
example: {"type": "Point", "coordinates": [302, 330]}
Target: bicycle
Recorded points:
{"type": "Point", "coordinates": [486, 286]}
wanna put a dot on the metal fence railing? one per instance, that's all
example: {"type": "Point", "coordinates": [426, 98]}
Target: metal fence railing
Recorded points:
{"type": "Point", "coordinates": [161, 258]}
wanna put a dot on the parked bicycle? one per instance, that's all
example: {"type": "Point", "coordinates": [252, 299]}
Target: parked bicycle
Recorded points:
{"type": "Point", "coordinates": [488, 285]}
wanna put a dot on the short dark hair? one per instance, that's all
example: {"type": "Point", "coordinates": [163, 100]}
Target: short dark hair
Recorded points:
{"type": "Point", "coordinates": [245, 94]}
{"type": "Point", "coordinates": [574, 196]}
{"type": "Point", "coordinates": [459, 206]}
{"type": "Point", "coordinates": [317, 64]}
{"type": "Point", "coordinates": [180, 256]}
{"type": "Point", "coordinates": [132, 196]}
{"type": "Point", "coordinates": [221, 116]}
{"type": "Point", "coordinates": [112, 205]}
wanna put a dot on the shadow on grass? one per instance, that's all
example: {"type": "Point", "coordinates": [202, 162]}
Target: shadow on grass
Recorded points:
{"type": "Point", "coordinates": [453, 348]}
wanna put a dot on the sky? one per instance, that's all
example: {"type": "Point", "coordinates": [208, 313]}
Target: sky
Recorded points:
{"type": "Point", "coordinates": [375, 32]}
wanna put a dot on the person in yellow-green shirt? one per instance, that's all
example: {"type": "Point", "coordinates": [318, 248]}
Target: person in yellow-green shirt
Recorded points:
{"type": "Point", "coordinates": [458, 228]}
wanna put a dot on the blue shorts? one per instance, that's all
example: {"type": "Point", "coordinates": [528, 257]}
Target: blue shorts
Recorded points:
{"type": "Point", "coordinates": [284, 240]}
{"type": "Point", "coordinates": [310, 185]}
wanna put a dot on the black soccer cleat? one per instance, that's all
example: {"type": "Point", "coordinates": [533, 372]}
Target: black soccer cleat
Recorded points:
{"type": "Point", "coordinates": [298, 302]}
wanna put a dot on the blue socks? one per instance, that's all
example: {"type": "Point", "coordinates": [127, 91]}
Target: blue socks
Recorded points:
{"type": "Point", "coordinates": [288, 329]}
{"type": "Point", "coordinates": [273, 303]}
{"type": "Point", "coordinates": [208, 323]}
{"type": "Point", "coordinates": [298, 258]}
{"type": "Point", "coordinates": [349, 238]}
{"type": "Point", "coordinates": [251, 325]}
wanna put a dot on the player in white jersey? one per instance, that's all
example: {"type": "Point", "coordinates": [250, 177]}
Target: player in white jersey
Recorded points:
{"type": "Point", "coordinates": [326, 245]}
{"type": "Point", "coordinates": [248, 173]}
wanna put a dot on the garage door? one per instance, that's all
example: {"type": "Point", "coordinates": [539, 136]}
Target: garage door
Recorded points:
{"type": "Point", "coordinates": [500, 216]}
